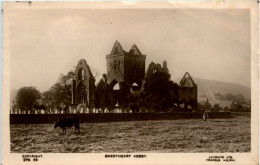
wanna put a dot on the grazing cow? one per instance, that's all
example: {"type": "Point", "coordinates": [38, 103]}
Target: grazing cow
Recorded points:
{"type": "Point", "coordinates": [67, 122]}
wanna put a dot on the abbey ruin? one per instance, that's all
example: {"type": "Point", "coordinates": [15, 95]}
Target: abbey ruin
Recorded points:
{"type": "Point", "coordinates": [123, 85]}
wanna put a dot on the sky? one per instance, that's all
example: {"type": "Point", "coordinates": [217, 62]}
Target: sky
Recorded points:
{"type": "Point", "coordinates": [207, 43]}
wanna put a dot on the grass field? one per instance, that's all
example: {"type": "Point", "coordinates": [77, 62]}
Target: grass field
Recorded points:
{"type": "Point", "coordinates": [214, 135]}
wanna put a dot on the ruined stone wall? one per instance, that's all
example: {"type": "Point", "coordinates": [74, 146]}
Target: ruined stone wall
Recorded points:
{"type": "Point", "coordinates": [134, 69]}
{"type": "Point", "coordinates": [115, 68]}
{"type": "Point", "coordinates": [86, 80]}
{"type": "Point", "coordinates": [188, 94]}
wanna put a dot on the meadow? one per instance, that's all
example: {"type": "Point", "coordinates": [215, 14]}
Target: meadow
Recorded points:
{"type": "Point", "coordinates": [159, 136]}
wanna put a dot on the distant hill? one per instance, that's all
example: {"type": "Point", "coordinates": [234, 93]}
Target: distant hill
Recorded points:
{"type": "Point", "coordinates": [207, 88]}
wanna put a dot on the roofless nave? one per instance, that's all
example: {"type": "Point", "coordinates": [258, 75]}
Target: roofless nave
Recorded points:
{"type": "Point", "coordinates": [125, 75]}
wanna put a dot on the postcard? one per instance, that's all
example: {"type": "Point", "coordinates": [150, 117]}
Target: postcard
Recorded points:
{"type": "Point", "coordinates": [130, 82]}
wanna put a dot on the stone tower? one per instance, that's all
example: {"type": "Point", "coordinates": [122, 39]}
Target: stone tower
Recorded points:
{"type": "Point", "coordinates": [127, 67]}
{"type": "Point", "coordinates": [188, 91]}
{"type": "Point", "coordinates": [83, 85]}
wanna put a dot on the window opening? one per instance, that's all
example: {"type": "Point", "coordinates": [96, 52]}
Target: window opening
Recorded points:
{"type": "Point", "coordinates": [116, 49]}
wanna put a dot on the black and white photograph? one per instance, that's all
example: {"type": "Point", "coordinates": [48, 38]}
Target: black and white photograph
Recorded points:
{"type": "Point", "coordinates": [130, 80]}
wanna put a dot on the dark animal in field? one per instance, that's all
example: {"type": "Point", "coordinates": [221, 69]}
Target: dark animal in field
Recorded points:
{"type": "Point", "coordinates": [67, 122]}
